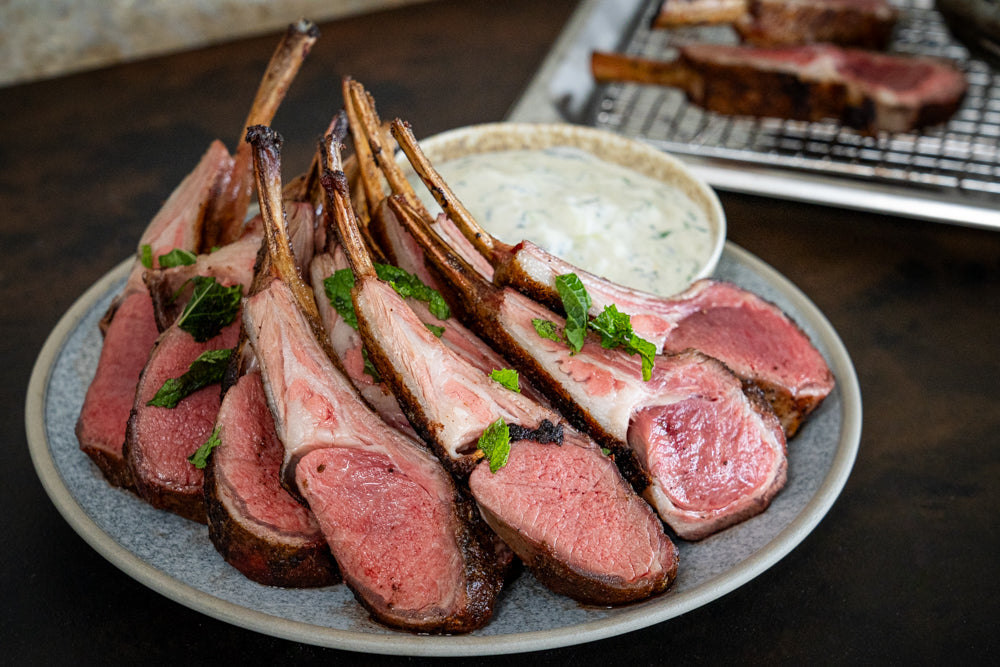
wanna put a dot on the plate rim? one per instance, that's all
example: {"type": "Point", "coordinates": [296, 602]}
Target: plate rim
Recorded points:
{"type": "Point", "coordinates": [461, 645]}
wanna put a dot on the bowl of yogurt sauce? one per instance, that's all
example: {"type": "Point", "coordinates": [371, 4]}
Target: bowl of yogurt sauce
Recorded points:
{"type": "Point", "coordinates": [610, 205]}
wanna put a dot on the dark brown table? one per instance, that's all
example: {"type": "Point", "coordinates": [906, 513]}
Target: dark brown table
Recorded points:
{"type": "Point", "coordinates": [902, 569]}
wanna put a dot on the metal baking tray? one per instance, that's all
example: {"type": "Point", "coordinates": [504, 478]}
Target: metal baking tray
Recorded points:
{"type": "Point", "coordinates": [947, 173]}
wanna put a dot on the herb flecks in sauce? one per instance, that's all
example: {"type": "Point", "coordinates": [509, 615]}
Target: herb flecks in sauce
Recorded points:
{"type": "Point", "coordinates": [612, 221]}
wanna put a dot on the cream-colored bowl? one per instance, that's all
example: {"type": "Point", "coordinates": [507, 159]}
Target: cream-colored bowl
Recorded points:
{"type": "Point", "coordinates": [616, 150]}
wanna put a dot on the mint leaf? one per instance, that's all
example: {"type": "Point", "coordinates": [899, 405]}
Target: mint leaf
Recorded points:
{"type": "Point", "coordinates": [407, 285]}
{"type": "Point", "coordinates": [211, 308]}
{"type": "Point", "coordinates": [200, 458]}
{"type": "Point", "coordinates": [547, 329]}
{"type": "Point", "coordinates": [338, 290]}
{"type": "Point", "coordinates": [646, 352]}
{"type": "Point", "coordinates": [495, 444]}
{"type": "Point", "coordinates": [614, 326]}
{"type": "Point", "coordinates": [177, 257]}
{"type": "Point", "coordinates": [615, 329]}
{"type": "Point", "coordinates": [146, 255]}
{"type": "Point", "coordinates": [207, 369]}
{"type": "Point", "coordinates": [576, 302]}
{"type": "Point", "coordinates": [508, 377]}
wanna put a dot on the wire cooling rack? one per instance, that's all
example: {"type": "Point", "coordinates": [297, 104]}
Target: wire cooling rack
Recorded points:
{"type": "Point", "coordinates": [956, 162]}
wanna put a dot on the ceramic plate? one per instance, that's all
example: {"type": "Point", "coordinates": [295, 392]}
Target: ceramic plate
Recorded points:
{"type": "Point", "coordinates": [175, 557]}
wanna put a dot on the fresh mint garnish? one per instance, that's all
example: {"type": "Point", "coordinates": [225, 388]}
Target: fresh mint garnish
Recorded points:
{"type": "Point", "coordinates": [206, 370]}
{"type": "Point", "coordinates": [146, 255]}
{"type": "Point", "coordinates": [177, 257]}
{"type": "Point", "coordinates": [338, 290]}
{"type": "Point", "coordinates": [508, 377]}
{"type": "Point", "coordinates": [408, 285]}
{"type": "Point", "coordinates": [576, 303]}
{"type": "Point", "coordinates": [211, 308]}
{"type": "Point", "coordinates": [495, 444]}
{"type": "Point", "coordinates": [613, 326]}
{"type": "Point", "coordinates": [200, 458]}
{"type": "Point", "coordinates": [547, 329]}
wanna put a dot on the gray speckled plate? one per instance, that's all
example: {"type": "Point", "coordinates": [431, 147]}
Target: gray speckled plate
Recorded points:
{"type": "Point", "coordinates": [175, 557]}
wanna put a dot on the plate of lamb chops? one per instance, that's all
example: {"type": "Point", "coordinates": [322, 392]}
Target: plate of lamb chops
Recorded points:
{"type": "Point", "coordinates": [462, 516]}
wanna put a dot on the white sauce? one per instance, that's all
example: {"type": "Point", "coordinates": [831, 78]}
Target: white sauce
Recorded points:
{"type": "Point", "coordinates": [599, 216]}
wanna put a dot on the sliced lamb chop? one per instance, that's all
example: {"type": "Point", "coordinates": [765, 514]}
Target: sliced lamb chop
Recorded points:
{"type": "Point", "coordinates": [392, 240]}
{"type": "Point", "coordinates": [864, 90]}
{"type": "Point", "coordinates": [407, 541]}
{"type": "Point", "coordinates": [750, 335]}
{"type": "Point", "coordinates": [130, 329]}
{"type": "Point", "coordinates": [209, 204]}
{"type": "Point", "coordinates": [705, 453]}
{"type": "Point", "coordinates": [859, 23]}
{"type": "Point", "coordinates": [159, 440]}
{"type": "Point", "coordinates": [558, 501]}
{"type": "Point", "coordinates": [257, 526]}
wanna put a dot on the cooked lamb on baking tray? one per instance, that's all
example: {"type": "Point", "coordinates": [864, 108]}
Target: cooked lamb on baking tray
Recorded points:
{"type": "Point", "coordinates": [859, 23]}
{"type": "Point", "coordinates": [864, 90]}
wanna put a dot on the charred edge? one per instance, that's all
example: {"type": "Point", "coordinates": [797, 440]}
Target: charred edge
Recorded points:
{"type": "Point", "coordinates": [512, 274]}
{"type": "Point", "coordinates": [109, 314]}
{"type": "Point", "coordinates": [264, 137]}
{"type": "Point", "coordinates": [189, 503]}
{"type": "Point", "coordinates": [484, 574]}
{"type": "Point", "coordinates": [466, 290]}
{"type": "Point", "coordinates": [559, 577]}
{"type": "Point", "coordinates": [115, 469]}
{"type": "Point", "coordinates": [303, 27]}
{"type": "Point", "coordinates": [409, 403]}
{"type": "Point", "coordinates": [626, 460]}
{"type": "Point", "coordinates": [234, 370]}
{"type": "Point", "coordinates": [266, 562]}
{"type": "Point", "coordinates": [546, 433]}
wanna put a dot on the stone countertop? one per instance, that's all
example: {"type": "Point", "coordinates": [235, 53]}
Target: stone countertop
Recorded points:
{"type": "Point", "coordinates": [45, 38]}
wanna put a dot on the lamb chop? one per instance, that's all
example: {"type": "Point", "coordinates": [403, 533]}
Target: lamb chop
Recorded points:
{"type": "Point", "coordinates": [557, 501]}
{"type": "Point", "coordinates": [254, 523]}
{"type": "Point", "coordinates": [162, 435]}
{"type": "Point", "coordinates": [706, 453]}
{"type": "Point", "coordinates": [751, 336]}
{"type": "Point", "coordinates": [208, 206]}
{"type": "Point", "coordinates": [366, 132]}
{"type": "Point", "coordinates": [864, 90]}
{"type": "Point", "coordinates": [382, 227]}
{"type": "Point", "coordinates": [407, 540]}
{"type": "Point", "coordinates": [859, 23]}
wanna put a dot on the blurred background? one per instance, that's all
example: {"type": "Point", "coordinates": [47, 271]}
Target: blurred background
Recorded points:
{"type": "Point", "coordinates": [41, 39]}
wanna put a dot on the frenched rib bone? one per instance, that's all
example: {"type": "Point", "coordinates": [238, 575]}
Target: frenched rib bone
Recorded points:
{"type": "Point", "coordinates": [865, 90]}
